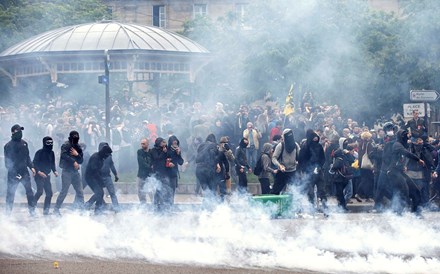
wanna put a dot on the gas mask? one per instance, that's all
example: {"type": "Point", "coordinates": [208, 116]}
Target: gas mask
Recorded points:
{"type": "Point", "coordinates": [390, 133]}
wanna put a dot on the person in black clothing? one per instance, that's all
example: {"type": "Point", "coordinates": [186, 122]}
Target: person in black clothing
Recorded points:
{"type": "Point", "coordinates": [383, 188]}
{"type": "Point", "coordinates": [161, 164]}
{"type": "Point", "coordinates": [402, 186]}
{"type": "Point", "coordinates": [44, 162]}
{"type": "Point", "coordinates": [70, 159]}
{"type": "Point", "coordinates": [17, 162]}
{"type": "Point", "coordinates": [311, 160]}
{"type": "Point", "coordinates": [145, 166]}
{"type": "Point", "coordinates": [222, 175]}
{"type": "Point", "coordinates": [109, 166]}
{"type": "Point", "coordinates": [421, 175]}
{"type": "Point", "coordinates": [340, 177]}
{"type": "Point", "coordinates": [208, 164]}
{"type": "Point", "coordinates": [174, 160]}
{"type": "Point", "coordinates": [94, 175]}
{"type": "Point", "coordinates": [331, 147]}
{"type": "Point", "coordinates": [241, 165]}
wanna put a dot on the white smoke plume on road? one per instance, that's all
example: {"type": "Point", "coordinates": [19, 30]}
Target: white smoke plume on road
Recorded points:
{"type": "Point", "coordinates": [239, 235]}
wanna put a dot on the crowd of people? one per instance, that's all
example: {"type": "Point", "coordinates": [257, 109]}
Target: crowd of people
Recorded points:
{"type": "Point", "coordinates": [313, 150]}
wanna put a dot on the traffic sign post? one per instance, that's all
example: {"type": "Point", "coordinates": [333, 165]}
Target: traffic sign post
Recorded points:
{"type": "Point", "coordinates": [424, 95]}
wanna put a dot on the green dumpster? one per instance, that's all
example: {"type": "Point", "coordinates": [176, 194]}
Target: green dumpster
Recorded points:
{"type": "Point", "coordinates": [282, 204]}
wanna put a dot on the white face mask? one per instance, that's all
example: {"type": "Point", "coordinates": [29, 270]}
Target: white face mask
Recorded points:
{"type": "Point", "coordinates": [390, 133]}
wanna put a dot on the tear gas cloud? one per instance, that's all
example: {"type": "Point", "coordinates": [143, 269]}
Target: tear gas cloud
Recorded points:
{"type": "Point", "coordinates": [238, 235]}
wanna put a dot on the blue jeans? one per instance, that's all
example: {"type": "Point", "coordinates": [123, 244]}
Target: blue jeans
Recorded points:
{"type": "Point", "coordinates": [348, 191]}
{"type": "Point", "coordinates": [70, 178]}
{"type": "Point", "coordinates": [251, 156]}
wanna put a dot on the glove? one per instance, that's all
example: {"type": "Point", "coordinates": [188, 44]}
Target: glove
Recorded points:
{"type": "Point", "coordinates": [116, 178]}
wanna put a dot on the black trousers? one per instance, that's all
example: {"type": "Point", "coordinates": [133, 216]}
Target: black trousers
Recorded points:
{"type": "Point", "coordinates": [281, 180]}
{"type": "Point", "coordinates": [265, 185]}
{"type": "Point", "coordinates": [242, 181]}
{"type": "Point", "coordinates": [43, 184]}
{"type": "Point", "coordinates": [383, 190]}
{"type": "Point", "coordinates": [13, 182]}
{"type": "Point", "coordinates": [164, 196]}
{"type": "Point", "coordinates": [340, 193]}
{"type": "Point", "coordinates": [404, 189]}
{"type": "Point", "coordinates": [98, 193]}
{"type": "Point", "coordinates": [313, 179]}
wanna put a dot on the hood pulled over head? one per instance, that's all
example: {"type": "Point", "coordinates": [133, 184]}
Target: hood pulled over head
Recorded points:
{"type": "Point", "coordinates": [289, 140]}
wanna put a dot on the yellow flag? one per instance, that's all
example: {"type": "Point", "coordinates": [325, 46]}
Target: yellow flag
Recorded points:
{"type": "Point", "coordinates": [288, 108]}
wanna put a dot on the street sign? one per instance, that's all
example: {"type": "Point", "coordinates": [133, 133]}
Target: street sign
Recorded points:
{"type": "Point", "coordinates": [424, 95]}
{"type": "Point", "coordinates": [408, 110]}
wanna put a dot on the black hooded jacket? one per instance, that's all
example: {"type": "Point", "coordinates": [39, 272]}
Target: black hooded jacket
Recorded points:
{"type": "Point", "coordinates": [159, 158]}
{"type": "Point", "coordinates": [400, 151]}
{"type": "Point", "coordinates": [66, 159]}
{"type": "Point", "coordinates": [44, 159]}
{"type": "Point", "coordinates": [109, 165]}
{"type": "Point", "coordinates": [176, 159]}
{"type": "Point", "coordinates": [94, 167]}
{"type": "Point", "coordinates": [208, 154]}
{"type": "Point", "coordinates": [240, 155]}
{"type": "Point", "coordinates": [311, 154]}
{"type": "Point", "coordinates": [17, 158]}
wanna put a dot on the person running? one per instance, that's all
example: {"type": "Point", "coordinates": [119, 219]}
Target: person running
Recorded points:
{"type": "Point", "coordinates": [44, 162]}
{"type": "Point", "coordinates": [17, 162]}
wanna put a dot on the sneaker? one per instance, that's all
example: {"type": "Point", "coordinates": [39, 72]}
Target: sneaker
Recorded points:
{"type": "Point", "coordinates": [46, 212]}
{"type": "Point", "coordinates": [358, 198]}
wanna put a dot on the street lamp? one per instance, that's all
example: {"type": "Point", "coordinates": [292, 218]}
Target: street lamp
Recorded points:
{"type": "Point", "coordinates": [105, 80]}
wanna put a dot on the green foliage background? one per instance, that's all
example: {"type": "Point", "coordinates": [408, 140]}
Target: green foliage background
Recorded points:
{"type": "Point", "coordinates": [344, 52]}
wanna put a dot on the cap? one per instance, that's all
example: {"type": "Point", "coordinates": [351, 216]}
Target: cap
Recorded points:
{"type": "Point", "coordinates": [16, 127]}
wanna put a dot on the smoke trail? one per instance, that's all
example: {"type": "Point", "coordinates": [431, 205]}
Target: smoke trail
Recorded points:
{"type": "Point", "coordinates": [238, 235]}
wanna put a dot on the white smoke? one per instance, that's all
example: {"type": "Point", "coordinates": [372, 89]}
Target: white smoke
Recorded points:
{"type": "Point", "coordinates": [239, 234]}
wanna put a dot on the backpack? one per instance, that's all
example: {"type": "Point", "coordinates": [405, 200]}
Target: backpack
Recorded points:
{"type": "Point", "coordinates": [258, 169]}
{"type": "Point", "coordinates": [340, 174]}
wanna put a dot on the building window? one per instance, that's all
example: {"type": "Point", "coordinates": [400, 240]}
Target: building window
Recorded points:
{"type": "Point", "coordinates": [159, 16]}
{"type": "Point", "coordinates": [200, 10]}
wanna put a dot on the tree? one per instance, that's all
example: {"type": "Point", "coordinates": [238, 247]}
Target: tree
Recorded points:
{"type": "Point", "coordinates": [342, 51]}
{"type": "Point", "coordinates": [21, 19]}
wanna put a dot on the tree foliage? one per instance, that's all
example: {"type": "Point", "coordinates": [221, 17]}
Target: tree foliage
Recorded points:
{"type": "Point", "coordinates": [21, 19]}
{"type": "Point", "coordinates": [342, 51]}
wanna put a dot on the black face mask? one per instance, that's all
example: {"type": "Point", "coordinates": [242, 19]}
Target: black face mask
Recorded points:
{"type": "Point", "coordinates": [75, 140]}
{"type": "Point", "coordinates": [48, 145]}
{"type": "Point", "coordinates": [16, 136]}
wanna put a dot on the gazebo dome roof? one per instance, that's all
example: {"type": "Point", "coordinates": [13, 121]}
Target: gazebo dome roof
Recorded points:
{"type": "Point", "coordinates": [105, 35]}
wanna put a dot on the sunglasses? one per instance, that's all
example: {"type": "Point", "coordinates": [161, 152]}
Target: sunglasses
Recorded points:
{"type": "Point", "coordinates": [49, 143]}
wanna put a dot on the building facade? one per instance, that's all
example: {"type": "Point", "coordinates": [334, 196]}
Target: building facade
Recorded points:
{"type": "Point", "coordinates": [171, 14]}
